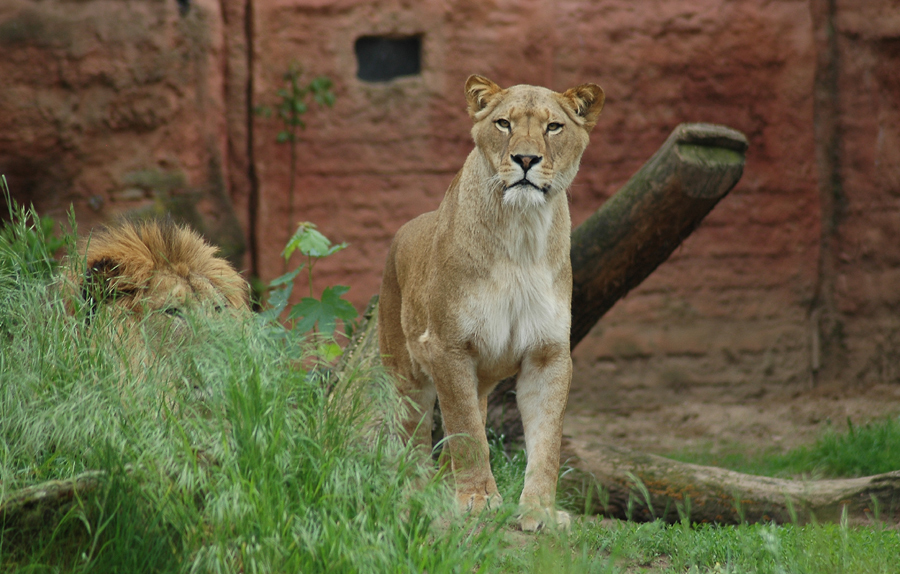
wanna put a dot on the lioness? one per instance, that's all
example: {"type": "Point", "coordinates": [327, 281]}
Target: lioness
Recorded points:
{"type": "Point", "coordinates": [142, 267]}
{"type": "Point", "coordinates": [481, 289]}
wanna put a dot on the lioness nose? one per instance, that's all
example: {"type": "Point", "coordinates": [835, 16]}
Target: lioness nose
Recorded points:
{"type": "Point", "coordinates": [526, 161]}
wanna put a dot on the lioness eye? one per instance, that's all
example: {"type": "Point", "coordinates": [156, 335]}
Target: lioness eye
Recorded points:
{"type": "Point", "coordinates": [554, 127]}
{"type": "Point", "coordinates": [502, 124]}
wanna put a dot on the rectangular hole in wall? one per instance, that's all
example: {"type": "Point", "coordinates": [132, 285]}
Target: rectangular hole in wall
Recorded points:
{"type": "Point", "coordinates": [383, 58]}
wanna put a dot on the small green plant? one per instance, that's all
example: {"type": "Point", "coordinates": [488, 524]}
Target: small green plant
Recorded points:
{"type": "Point", "coordinates": [310, 314]}
{"type": "Point", "coordinates": [294, 104]}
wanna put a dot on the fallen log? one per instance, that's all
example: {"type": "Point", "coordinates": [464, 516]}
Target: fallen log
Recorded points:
{"type": "Point", "coordinates": [613, 481]}
{"type": "Point", "coordinates": [620, 483]}
{"type": "Point", "coordinates": [40, 507]}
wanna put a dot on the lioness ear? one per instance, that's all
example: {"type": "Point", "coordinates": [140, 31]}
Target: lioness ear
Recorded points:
{"type": "Point", "coordinates": [588, 101]}
{"type": "Point", "coordinates": [479, 91]}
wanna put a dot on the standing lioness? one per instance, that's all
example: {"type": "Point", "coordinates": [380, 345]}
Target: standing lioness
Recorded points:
{"type": "Point", "coordinates": [481, 289]}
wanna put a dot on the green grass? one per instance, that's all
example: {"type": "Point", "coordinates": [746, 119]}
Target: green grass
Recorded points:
{"type": "Point", "coordinates": [860, 450]}
{"type": "Point", "coordinates": [221, 456]}
{"type": "Point", "coordinates": [225, 453]}
{"type": "Point", "coordinates": [813, 549]}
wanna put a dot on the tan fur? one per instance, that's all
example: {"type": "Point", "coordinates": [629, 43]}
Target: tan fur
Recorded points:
{"type": "Point", "coordinates": [481, 289]}
{"type": "Point", "coordinates": [141, 267]}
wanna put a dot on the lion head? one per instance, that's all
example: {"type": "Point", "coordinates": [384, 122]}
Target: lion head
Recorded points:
{"type": "Point", "coordinates": [154, 266]}
{"type": "Point", "coordinates": [532, 138]}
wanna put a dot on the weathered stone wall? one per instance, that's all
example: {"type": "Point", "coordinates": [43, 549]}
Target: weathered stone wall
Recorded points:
{"type": "Point", "coordinates": [861, 206]}
{"type": "Point", "coordinates": [114, 105]}
{"type": "Point", "coordinates": [117, 107]}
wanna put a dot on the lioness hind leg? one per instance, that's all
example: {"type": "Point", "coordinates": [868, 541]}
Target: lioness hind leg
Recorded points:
{"type": "Point", "coordinates": [419, 417]}
{"type": "Point", "coordinates": [542, 391]}
{"type": "Point", "coordinates": [411, 382]}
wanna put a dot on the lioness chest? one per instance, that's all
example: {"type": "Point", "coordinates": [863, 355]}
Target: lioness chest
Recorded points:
{"type": "Point", "coordinates": [514, 311]}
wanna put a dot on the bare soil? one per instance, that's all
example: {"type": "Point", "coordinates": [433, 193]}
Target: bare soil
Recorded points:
{"type": "Point", "coordinates": [662, 419]}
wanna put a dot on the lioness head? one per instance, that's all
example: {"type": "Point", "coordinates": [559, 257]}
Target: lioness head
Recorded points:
{"type": "Point", "coordinates": [155, 266]}
{"type": "Point", "coordinates": [531, 138]}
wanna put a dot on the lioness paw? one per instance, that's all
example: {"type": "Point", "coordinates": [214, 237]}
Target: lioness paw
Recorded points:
{"type": "Point", "coordinates": [535, 519]}
{"type": "Point", "coordinates": [476, 502]}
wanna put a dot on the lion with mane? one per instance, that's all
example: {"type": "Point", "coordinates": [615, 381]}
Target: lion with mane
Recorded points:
{"type": "Point", "coordinates": [151, 266]}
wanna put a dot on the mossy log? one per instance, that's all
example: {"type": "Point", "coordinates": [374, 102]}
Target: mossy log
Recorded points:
{"type": "Point", "coordinates": [637, 486]}
{"type": "Point", "coordinates": [41, 507]}
{"type": "Point", "coordinates": [608, 480]}
{"type": "Point", "coordinates": [637, 228]}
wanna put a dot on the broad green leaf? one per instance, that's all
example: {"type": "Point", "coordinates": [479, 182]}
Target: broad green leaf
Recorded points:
{"type": "Point", "coordinates": [325, 313]}
{"type": "Point", "coordinates": [314, 244]}
{"type": "Point", "coordinates": [343, 308]}
{"type": "Point", "coordinates": [310, 242]}
{"type": "Point", "coordinates": [287, 277]}
{"type": "Point", "coordinates": [329, 352]}
{"type": "Point", "coordinates": [278, 299]}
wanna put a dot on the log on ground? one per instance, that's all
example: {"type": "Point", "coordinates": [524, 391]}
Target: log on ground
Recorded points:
{"type": "Point", "coordinates": [638, 486]}
{"type": "Point", "coordinates": [40, 507]}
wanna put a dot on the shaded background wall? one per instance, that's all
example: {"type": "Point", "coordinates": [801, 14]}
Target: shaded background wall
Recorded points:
{"type": "Point", "coordinates": [116, 105]}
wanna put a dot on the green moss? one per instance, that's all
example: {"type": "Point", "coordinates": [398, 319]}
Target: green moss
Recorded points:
{"type": "Point", "coordinates": [709, 155]}
{"type": "Point", "coordinates": [156, 180]}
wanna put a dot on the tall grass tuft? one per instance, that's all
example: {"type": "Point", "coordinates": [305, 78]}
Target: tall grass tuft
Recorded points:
{"type": "Point", "coordinates": [221, 452]}
{"type": "Point", "coordinates": [871, 448]}
{"type": "Point", "coordinates": [860, 450]}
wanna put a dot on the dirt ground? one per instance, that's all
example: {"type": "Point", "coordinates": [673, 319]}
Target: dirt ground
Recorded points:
{"type": "Point", "coordinates": [660, 419]}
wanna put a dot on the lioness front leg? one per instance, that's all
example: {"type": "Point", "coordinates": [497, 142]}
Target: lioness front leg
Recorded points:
{"type": "Point", "coordinates": [457, 389]}
{"type": "Point", "coordinates": [542, 391]}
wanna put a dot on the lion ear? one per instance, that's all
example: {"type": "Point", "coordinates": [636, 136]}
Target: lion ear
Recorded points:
{"type": "Point", "coordinates": [479, 91]}
{"type": "Point", "coordinates": [587, 100]}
